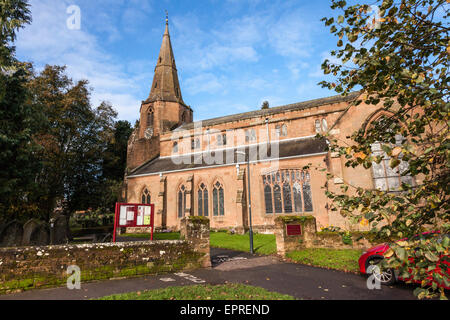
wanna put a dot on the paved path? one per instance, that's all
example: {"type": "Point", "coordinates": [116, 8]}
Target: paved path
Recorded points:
{"type": "Point", "coordinates": [300, 281]}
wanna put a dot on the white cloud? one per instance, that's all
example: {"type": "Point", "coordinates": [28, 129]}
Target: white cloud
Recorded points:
{"type": "Point", "coordinates": [48, 41]}
{"type": "Point", "coordinates": [227, 59]}
{"type": "Point", "coordinates": [205, 82]}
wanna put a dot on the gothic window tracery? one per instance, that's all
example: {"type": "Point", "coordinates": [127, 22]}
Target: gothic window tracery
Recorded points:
{"type": "Point", "coordinates": [146, 198]}
{"type": "Point", "coordinates": [287, 191]}
{"type": "Point", "coordinates": [181, 201]}
{"type": "Point", "coordinates": [218, 200]}
{"type": "Point", "coordinates": [203, 200]}
{"type": "Point", "coordinates": [387, 178]}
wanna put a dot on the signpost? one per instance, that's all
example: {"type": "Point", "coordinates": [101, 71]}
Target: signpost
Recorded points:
{"type": "Point", "coordinates": [134, 215]}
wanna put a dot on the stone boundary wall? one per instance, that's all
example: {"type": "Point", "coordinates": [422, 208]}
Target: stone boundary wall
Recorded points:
{"type": "Point", "coordinates": [196, 231]}
{"type": "Point", "coordinates": [310, 238]}
{"type": "Point", "coordinates": [43, 266]}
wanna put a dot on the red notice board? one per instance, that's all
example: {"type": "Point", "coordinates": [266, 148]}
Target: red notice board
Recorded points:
{"type": "Point", "coordinates": [134, 215]}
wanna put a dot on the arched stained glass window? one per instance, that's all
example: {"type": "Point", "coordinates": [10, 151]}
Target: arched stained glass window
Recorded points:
{"type": "Point", "coordinates": [203, 200]}
{"type": "Point", "coordinates": [218, 200]}
{"type": "Point", "coordinates": [181, 201]}
{"type": "Point", "coordinates": [287, 191]}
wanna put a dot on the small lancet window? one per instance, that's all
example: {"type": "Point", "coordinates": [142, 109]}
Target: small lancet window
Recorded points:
{"type": "Point", "coordinates": [181, 201]}
{"type": "Point", "coordinates": [146, 198]}
{"type": "Point", "coordinates": [150, 118]}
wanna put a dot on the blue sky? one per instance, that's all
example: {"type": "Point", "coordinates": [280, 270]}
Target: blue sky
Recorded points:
{"type": "Point", "coordinates": [231, 54]}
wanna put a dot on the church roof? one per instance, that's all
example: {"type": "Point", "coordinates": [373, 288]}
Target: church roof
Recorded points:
{"type": "Point", "coordinates": [308, 146]}
{"type": "Point", "coordinates": [272, 111]}
{"type": "Point", "coordinates": [166, 86]}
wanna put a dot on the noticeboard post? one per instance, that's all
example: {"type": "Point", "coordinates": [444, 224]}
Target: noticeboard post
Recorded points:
{"type": "Point", "coordinates": [134, 215]}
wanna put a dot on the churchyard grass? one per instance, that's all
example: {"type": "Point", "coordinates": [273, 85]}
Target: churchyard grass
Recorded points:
{"type": "Point", "coordinates": [203, 292]}
{"type": "Point", "coordinates": [263, 244]}
{"type": "Point", "coordinates": [338, 259]}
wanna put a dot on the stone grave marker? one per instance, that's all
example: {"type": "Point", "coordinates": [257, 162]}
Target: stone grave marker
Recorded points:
{"type": "Point", "coordinates": [11, 234]}
{"type": "Point", "coordinates": [35, 233]}
{"type": "Point", "coordinates": [59, 230]}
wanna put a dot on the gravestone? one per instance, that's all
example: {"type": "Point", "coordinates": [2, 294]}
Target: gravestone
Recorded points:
{"type": "Point", "coordinates": [11, 234]}
{"type": "Point", "coordinates": [59, 230]}
{"type": "Point", "coordinates": [35, 233]}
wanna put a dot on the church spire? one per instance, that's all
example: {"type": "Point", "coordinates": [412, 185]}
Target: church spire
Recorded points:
{"type": "Point", "coordinates": [166, 86]}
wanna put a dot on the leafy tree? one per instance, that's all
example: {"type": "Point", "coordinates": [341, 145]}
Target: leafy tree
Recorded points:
{"type": "Point", "coordinates": [14, 14]}
{"type": "Point", "coordinates": [397, 53]}
{"type": "Point", "coordinates": [18, 119]}
{"type": "Point", "coordinates": [115, 156]}
{"type": "Point", "coordinates": [73, 141]}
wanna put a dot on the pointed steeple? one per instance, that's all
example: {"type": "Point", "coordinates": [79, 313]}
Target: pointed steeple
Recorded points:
{"type": "Point", "coordinates": [166, 86]}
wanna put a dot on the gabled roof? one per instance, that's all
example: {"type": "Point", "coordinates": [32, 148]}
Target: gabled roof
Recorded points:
{"type": "Point", "coordinates": [272, 111]}
{"type": "Point", "coordinates": [301, 147]}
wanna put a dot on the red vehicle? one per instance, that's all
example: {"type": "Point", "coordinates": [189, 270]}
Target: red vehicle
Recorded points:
{"type": "Point", "coordinates": [375, 254]}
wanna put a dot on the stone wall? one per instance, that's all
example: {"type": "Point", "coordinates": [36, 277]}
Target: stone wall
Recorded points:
{"type": "Point", "coordinates": [37, 267]}
{"type": "Point", "coordinates": [195, 230]}
{"type": "Point", "coordinates": [310, 238]}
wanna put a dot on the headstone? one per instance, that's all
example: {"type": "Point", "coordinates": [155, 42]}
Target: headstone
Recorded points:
{"type": "Point", "coordinates": [35, 233]}
{"type": "Point", "coordinates": [59, 227]}
{"type": "Point", "coordinates": [11, 234]}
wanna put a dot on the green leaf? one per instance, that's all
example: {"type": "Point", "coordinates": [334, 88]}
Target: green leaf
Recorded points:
{"type": "Point", "coordinates": [431, 256]}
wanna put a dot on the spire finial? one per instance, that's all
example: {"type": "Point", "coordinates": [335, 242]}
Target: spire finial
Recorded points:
{"type": "Point", "coordinates": [167, 17]}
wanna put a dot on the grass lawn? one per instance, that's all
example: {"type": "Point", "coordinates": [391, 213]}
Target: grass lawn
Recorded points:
{"type": "Point", "coordinates": [203, 292]}
{"type": "Point", "coordinates": [262, 243]}
{"type": "Point", "coordinates": [339, 259]}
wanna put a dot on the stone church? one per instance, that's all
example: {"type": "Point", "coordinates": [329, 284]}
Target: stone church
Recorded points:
{"type": "Point", "coordinates": [201, 168]}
